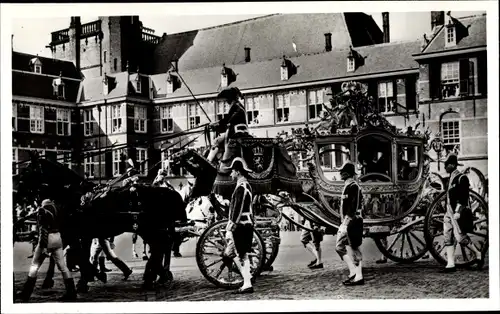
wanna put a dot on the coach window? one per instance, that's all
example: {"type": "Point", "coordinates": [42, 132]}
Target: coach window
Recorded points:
{"type": "Point", "coordinates": [374, 159]}
{"type": "Point", "coordinates": [332, 157]}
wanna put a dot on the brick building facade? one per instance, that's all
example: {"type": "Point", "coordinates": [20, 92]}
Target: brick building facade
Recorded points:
{"type": "Point", "coordinates": [284, 76]}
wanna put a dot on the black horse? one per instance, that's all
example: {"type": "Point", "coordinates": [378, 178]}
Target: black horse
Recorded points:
{"type": "Point", "coordinates": [151, 212]}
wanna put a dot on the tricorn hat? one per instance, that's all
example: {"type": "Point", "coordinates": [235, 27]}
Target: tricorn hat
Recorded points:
{"type": "Point", "coordinates": [230, 93]}
{"type": "Point", "coordinates": [348, 167]}
{"type": "Point", "coordinates": [452, 159]}
{"type": "Point", "coordinates": [240, 164]}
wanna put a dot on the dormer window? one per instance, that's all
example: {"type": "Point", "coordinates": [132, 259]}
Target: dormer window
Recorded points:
{"type": "Point", "coordinates": [284, 71]}
{"type": "Point", "coordinates": [227, 76]}
{"type": "Point", "coordinates": [354, 60]}
{"type": "Point", "coordinates": [287, 69]}
{"type": "Point", "coordinates": [58, 87]}
{"type": "Point", "coordinates": [105, 85]}
{"type": "Point", "coordinates": [451, 35]}
{"type": "Point", "coordinates": [351, 64]}
{"type": "Point", "coordinates": [172, 83]}
{"type": "Point", "coordinates": [138, 84]}
{"type": "Point", "coordinates": [36, 65]}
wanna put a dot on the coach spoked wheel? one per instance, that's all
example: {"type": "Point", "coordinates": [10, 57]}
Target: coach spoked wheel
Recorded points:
{"type": "Point", "coordinates": [219, 269]}
{"type": "Point", "coordinates": [272, 244]}
{"type": "Point", "coordinates": [434, 237]}
{"type": "Point", "coordinates": [405, 243]}
{"type": "Point", "coordinates": [477, 181]}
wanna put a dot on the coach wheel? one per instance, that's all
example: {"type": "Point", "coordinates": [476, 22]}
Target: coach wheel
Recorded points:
{"type": "Point", "coordinates": [220, 270]}
{"type": "Point", "coordinates": [477, 181]}
{"type": "Point", "coordinates": [272, 245]}
{"type": "Point", "coordinates": [434, 236]}
{"type": "Point", "coordinates": [406, 243]}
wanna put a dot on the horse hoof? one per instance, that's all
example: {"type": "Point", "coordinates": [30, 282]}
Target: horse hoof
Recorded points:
{"type": "Point", "coordinates": [48, 284]}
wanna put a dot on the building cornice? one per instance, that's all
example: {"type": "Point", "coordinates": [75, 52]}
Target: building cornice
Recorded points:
{"type": "Point", "coordinates": [43, 101]}
{"type": "Point", "coordinates": [290, 86]}
{"type": "Point", "coordinates": [47, 75]}
{"type": "Point", "coordinates": [422, 56]}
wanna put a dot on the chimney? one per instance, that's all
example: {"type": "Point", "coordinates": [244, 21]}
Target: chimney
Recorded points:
{"type": "Point", "coordinates": [247, 54]}
{"type": "Point", "coordinates": [328, 41]}
{"type": "Point", "coordinates": [437, 19]}
{"type": "Point", "coordinates": [75, 31]}
{"type": "Point", "coordinates": [385, 26]}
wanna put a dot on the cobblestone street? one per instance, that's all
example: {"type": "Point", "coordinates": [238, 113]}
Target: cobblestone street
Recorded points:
{"type": "Point", "coordinates": [290, 280]}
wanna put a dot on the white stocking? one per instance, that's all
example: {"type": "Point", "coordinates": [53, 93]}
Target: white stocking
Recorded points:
{"type": "Point", "coordinates": [450, 255]}
{"type": "Point", "coordinates": [318, 256]}
{"type": "Point", "coordinates": [247, 277]}
{"type": "Point", "coordinates": [310, 247]}
{"type": "Point", "coordinates": [359, 271]}
{"type": "Point", "coordinates": [350, 264]}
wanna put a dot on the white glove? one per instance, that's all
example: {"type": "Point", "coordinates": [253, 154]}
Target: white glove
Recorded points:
{"type": "Point", "coordinates": [456, 216]}
{"type": "Point", "coordinates": [229, 235]}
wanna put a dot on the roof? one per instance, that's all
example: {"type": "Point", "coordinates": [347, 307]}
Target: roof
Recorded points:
{"type": "Point", "coordinates": [92, 88]}
{"type": "Point", "coordinates": [476, 29]}
{"type": "Point", "coordinates": [21, 61]}
{"type": "Point", "coordinates": [40, 86]}
{"type": "Point", "coordinates": [380, 58]}
{"type": "Point", "coordinates": [268, 37]}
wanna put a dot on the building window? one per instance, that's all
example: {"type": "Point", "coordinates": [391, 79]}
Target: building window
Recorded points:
{"type": "Point", "coordinates": [451, 135]}
{"type": "Point", "coordinates": [37, 119]}
{"type": "Point", "coordinates": [450, 80]}
{"type": "Point", "coordinates": [117, 154]}
{"type": "Point", "coordinates": [105, 56]}
{"type": "Point", "coordinates": [167, 123]}
{"type": "Point", "coordinates": [63, 122]}
{"type": "Point", "coordinates": [14, 117]}
{"type": "Point", "coordinates": [282, 108]}
{"type": "Point", "coordinates": [315, 104]}
{"type": "Point", "coordinates": [140, 118]}
{"type": "Point", "coordinates": [253, 105]}
{"type": "Point", "coordinates": [87, 122]}
{"type": "Point", "coordinates": [350, 65]}
{"type": "Point", "coordinates": [194, 116]}
{"type": "Point", "coordinates": [386, 97]}
{"type": "Point", "coordinates": [64, 158]}
{"type": "Point", "coordinates": [15, 160]}
{"type": "Point", "coordinates": [38, 69]}
{"type": "Point", "coordinates": [142, 157]}
{"type": "Point", "coordinates": [221, 109]}
{"type": "Point", "coordinates": [89, 165]}
{"type": "Point", "coordinates": [116, 118]}
{"type": "Point", "coordinates": [115, 64]}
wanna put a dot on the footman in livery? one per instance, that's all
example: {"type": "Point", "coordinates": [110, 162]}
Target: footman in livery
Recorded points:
{"type": "Point", "coordinates": [458, 220]}
{"type": "Point", "coordinates": [240, 228]}
{"type": "Point", "coordinates": [350, 232]}
{"type": "Point", "coordinates": [49, 242]}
